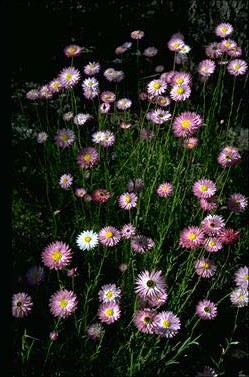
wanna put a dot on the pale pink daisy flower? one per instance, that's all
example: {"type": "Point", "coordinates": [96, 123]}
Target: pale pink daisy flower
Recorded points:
{"type": "Point", "coordinates": [90, 93]}
{"type": "Point", "coordinates": [112, 75]}
{"type": "Point", "coordinates": [107, 97]}
{"type": "Point", "coordinates": [204, 188]}
{"type": "Point", "coordinates": [108, 139]}
{"type": "Point", "coordinates": [21, 305]}
{"type": "Point", "coordinates": [69, 77]}
{"type": "Point", "coordinates": [149, 52]}
{"type": "Point", "coordinates": [212, 244]}
{"type": "Point", "coordinates": [109, 293]}
{"type": "Point", "coordinates": [181, 78]}
{"type": "Point", "coordinates": [127, 200]}
{"type": "Point", "coordinates": [98, 137]}
{"type": "Point", "coordinates": [239, 297]}
{"type": "Point", "coordinates": [157, 300]}
{"type": "Point", "coordinates": [180, 92]}
{"type": "Point", "coordinates": [159, 116]}
{"type": "Point", "coordinates": [109, 312]}
{"type": "Point", "coordinates": [72, 50]}
{"type": "Point", "coordinates": [63, 303]}
{"type": "Point", "coordinates": [206, 309]}
{"type": "Point", "coordinates": [144, 320]}
{"type": "Point", "coordinates": [80, 192]}
{"type": "Point", "coordinates": [87, 158]}
{"type": "Point", "coordinates": [100, 195]}
{"type": "Point", "coordinates": [123, 104]}
{"type": "Point", "coordinates": [209, 204]}
{"type": "Point", "coordinates": [242, 277]}
{"type": "Point", "coordinates": [190, 142]}
{"type": "Point", "coordinates": [137, 34]}
{"type": "Point", "coordinates": [186, 124]}
{"type": "Point", "coordinates": [228, 236]}
{"type": "Point", "coordinates": [227, 44]}
{"type": "Point", "coordinates": [81, 118]}
{"type": "Point", "coordinates": [168, 76]}
{"type": "Point", "coordinates": [104, 108]}
{"type": "Point", "coordinates": [141, 244]}
{"type": "Point", "coordinates": [213, 225]}
{"type": "Point", "coordinates": [56, 255]}
{"type": "Point", "coordinates": [90, 83]}
{"type": "Point", "coordinates": [66, 181]}
{"type": "Point", "coordinates": [163, 101]}
{"type": "Point", "coordinates": [213, 50]}
{"type": "Point", "coordinates": [223, 30]}
{"type": "Point", "coordinates": [234, 52]}
{"type": "Point", "coordinates": [191, 237]}
{"type": "Point", "coordinates": [206, 67]}
{"type": "Point", "coordinates": [92, 69]}
{"type": "Point", "coordinates": [207, 372]}
{"type": "Point", "coordinates": [45, 92]}
{"type": "Point", "coordinates": [176, 44]}
{"type": "Point", "coordinates": [109, 236]}
{"type": "Point", "coordinates": [55, 86]}
{"type": "Point", "coordinates": [229, 156]}
{"type": "Point", "coordinates": [164, 190]}
{"type": "Point", "coordinates": [95, 331]}
{"type": "Point", "coordinates": [150, 284]}
{"type": "Point", "coordinates": [33, 94]}
{"type": "Point", "coordinates": [128, 231]}
{"type": "Point", "coordinates": [156, 87]}
{"type": "Point", "coordinates": [237, 67]}
{"type": "Point", "coordinates": [205, 268]}
{"type": "Point", "coordinates": [41, 137]}
{"type": "Point", "coordinates": [237, 203]}
{"type": "Point", "coordinates": [64, 138]}
{"type": "Point", "coordinates": [167, 324]}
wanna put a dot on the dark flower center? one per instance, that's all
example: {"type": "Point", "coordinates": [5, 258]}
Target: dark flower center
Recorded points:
{"type": "Point", "coordinates": [207, 309]}
{"type": "Point", "coordinates": [147, 320]}
{"type": "Point", "coordinates": [151, 284]}
{"type": "Point", "coordinates": [19, 303]}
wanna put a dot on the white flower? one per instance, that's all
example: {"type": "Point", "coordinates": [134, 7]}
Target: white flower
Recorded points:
{"type": "Point", "coordinates": [87, 240]}
{"type": "Point", "coordinates": [185, 49]}
{"type": "Point", "coordinates": [109, 293]}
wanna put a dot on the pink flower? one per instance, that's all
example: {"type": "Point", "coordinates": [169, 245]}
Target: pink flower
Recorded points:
{"type": "Point", "coordinates": [63, 303]}
{"type": "Point", "coordinates": [21, 305]}
{"type": "Point", "coordinates": [69, 77]}
{"type": "Point", "coordinates": [212, 244]}
{"type": "Point", "coordinates": [206, 309]}
{"type": "Point", "coordinates": [206, 67]}
{"type": "Point", "coordinates": [180, 92]}
{"type": "Point", "coordinates": [137, 34]}
{"type": "Point", "coordinates": [237, 67]}
{"type": "Point", "coordinates": [128, 200]}
{"type": "Point", "coordinates": [72, 50]}
{"type": "Point", "coordinates": [128, 231]}
{"type": "Point", "coordinates": [205, 268]}
{"type": "Point", "coordinates": [66, 180]}
{"type": "Point", "coordinates": [167, 324]}
{"type": "Point", "coordinates": [109, 312]}
{"type": "Point", "coordinates": [101, 196]}
{"type": "Point", "coordinates": [145, 320]}
{"type": "Point", "coordinates": [95, 331]}
{"type": "Point", "coordinates": [229, 156]}
{"type": "Point", "coordinates": [223, 30]}
{"type": "Point", "coordinates": [209, 204]}
{"type": "Point", "coordinates": [237, 203]}
{"type": "Point", "coordinates": [56, 255]}
{"type": "Point", "coordinates": [141, 244]}
{"type": "Point", "coordinates": [150, 284]}
{"type": "Point", "coordinates": [176, 44]}
{"type": "Point", "coordinates": [228, 236]}
{"type": "Point", "coordinates": [212, 225]}
{"type": "Point", "coordinates": [87, 158]}
{"type": "Point", "coordinates": [204, 188]}
{"type": "Point", "coordinates": [186, 124]}
{"type": "Point", "coordinates": [190, 142]}
{"type": "Point", "coordinates": [92, 69]}
{"type": "Point", "coordinates": [191, 237]}
{"type": "Point", "coordinates": [109, 236]}
{"type": "Point", "coordinates": [164, 190]}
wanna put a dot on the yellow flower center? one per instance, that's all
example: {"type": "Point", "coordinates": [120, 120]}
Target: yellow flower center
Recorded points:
{"type": "Point", "coordinates": [236, 66]}
{"type": "Point", "coordinates": [87, 157]}
{"type": "Point", "coordinates": [163, 101]}
{"type": "Point", "coordinates": [109, 312]}
{"type": "Point", "coordinates": [205, 265]}
{"type": "Point", "coordinates": [64, 137]}
{"type": "Point", "coordinates": [108, 234]}
{"type": "Point", "coordinates": [63, 303]}
{"type": "Point", "coordinates": [165, 189]}
{"type": "Point", "coordinates": [109, 294]}
{"type": "Point", "coordinates": [68, 76]}
{"type": "Point", "coordinates": [56, 255]}
{"type": "Point", "coordinates": [56, 84]}
{"type": "Point", "coordinates": [156, 85]}
{"type": "Point", "coordinates": [227, 44]}
{"type": "Point", "coordinates": [176, 45]}
{"type": "Point", "coordinates": [223, 29]}
{"type": "Point", "coordinates": [165, 323]}
{"type": "Point", "coordinates": [192, 236]}
{"type": "Point", "coordinates": [127, 199]}
{"type": "Point", "coordinates": [180, 90]}
{"type": "Point", "coordinates": [179, 81]}
{"type": "Point", "coordinates": [241, 297]}
{"type": "Point", "coordinates": [246, 277]}
{"type": "Point", "coordinates": [71, 50]}
{"type": "Point", "coordinates": [185, 123]}
{"type": "Point", "coordinates": [64, 180]}
{"type": "Point", "coordinates": [203, 188]}
{"type": "Point", "coordinates": [211, 243]}
{"type": "Point", "coordinates": [87, 239]}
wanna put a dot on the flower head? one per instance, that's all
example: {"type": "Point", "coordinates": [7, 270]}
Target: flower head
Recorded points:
{"type": "Point", "coordinates": [109, 293]}
{"type": "Point", "coordinates": [66, 180]}
{"type": "Point", "coordinates": [190, 142]}
{"type": "Point", "coordinates": [109, 236]}
{"type": "Point", "coordinates": [206, 67]}
{"type": "Point", "coordinates": [180, 92]}
{"type": "Point", "coordinates": [208, 204]}
{"type": "Point", "coordinates": [191, 237]}
{"type": "Point", "coordinates": [167, 324]}
{"type": "Point", "coordinates": [95, 331]}
{"type": "Point", "coordinates": [237, 67]}
{"type": "Point", "coordinates": [156, 87]}
{"type": "Point", "coordinates": [212, 224]}
{"type": "Point", "coordinates": [107, 97]}
{"type": "Point", "coordinates": [87, 158]}
{"type": "Point", "coordinates": [124, 104]}
{"type": "Point", "coordinates": [242, 277]}
{"type": "Point", "coordinates": [109, 312]}
{"type": "Point", "coordinates": [87, 240]}
{"type": "Point", "coordinates": [205, 268]}
{"type": "Point", "coordinates": [55, 86]}
{"type": "Point", "coordinates": [35, 275]}
{"type": "Point", "coordinates": [186, 124]}
{"type": "Point", "coordinates": [223, 30]}
{"type": "Point", "coordinates": [136, 185]}
{"type": "Point", "coordinates": [56, 255]}
{"type": "Point", "coordinates": [239, 297]}
{"type": "Point", "coordinates": [149, 52]}
{"type": "Point", "coordinates": [212, 244]}
{"type": "Point", "coordinates": [21, 305]}
{"type": "Point", "coordinates": [160, 116]}
{"type": "Point", "coordinates": [63, 303]}
{"type": "Point", "coordinates": [206, 309]}
{"type": "Point", "coordinates": [53, 335]}
{"type": "Point", "coordinates": [144, 320]}
{"type": "Point", "coordinates": [128, 200]}
{"type": "Point", "coordinates": [176, 44]}
{"type": "Point", "coordinates": [41, 137]}
{"type": "Point", "coordinates": [33, 94]}
{"type": "Point", "coordinates": [150, 284]}
{"type": "Point", "coordinates": [204, 188]}
{"type": "Point", "coordinates": [69, 77]}
{"type": "Point", "coordinates": [229, 236]}
{"type": "Point", "coordinates": [128, 231]}
{"type": "Point", "coordinates": [229, 156]}
{"type": "Point", "coordinates": [80, 119]}
{"type": "Point", "coordinates": [108, 139]}
{"type": "Point", "coordinates": [164, 190]}
{"type": "Point", "coordinates": [64, 138]}
{"type": "Point", "coordinates": [72, 50]}
{"type": "Point", "coordinates": [181, 78]}
{"type": "Point", "coordinates": [137, 34]}
{"type": "Point", "coordinates": [213, 50]}
{"type": "Point", "coordinates": [237, 203]}
{"type": "Point", "coordinates": [80, 192]}
{"type": "Point", "coordinates": [141, 244]}
{"type": "Point", "coordinates": [92, 69]}
{"type": "Point", "coordinates": [101, 196]}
